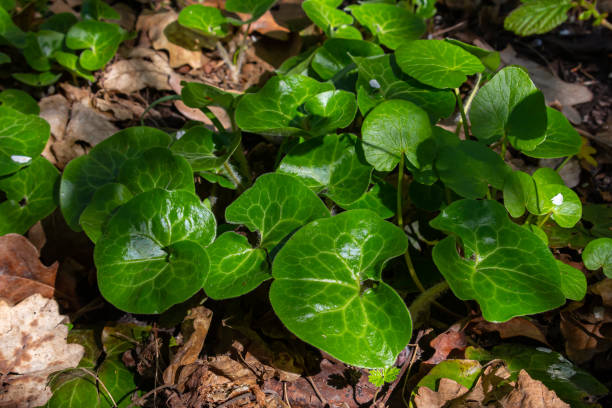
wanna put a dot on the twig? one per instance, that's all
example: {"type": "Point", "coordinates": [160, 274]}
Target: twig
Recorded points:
{"type": "Point", "coordinates": [412, 360]}
{"type": "Point", "coordinates": [242, 53]}
{"type": "Point", "coordinates": [316, 390]}
{"type": "Point", "coordinates": [448, 29]}
{"type": "Point", "coordinates": [141, 400]}
{"type": "Point", "coordinates": [226, 58]}
{"type": "Point", "coordinates": [285, 394]}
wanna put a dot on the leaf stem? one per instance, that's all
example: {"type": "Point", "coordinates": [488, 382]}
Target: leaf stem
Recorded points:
{"type": "Point", "coordinates": [470, 99]}
{"type": "Point", "coordinates": [241, 53]}
{"type": "Point", "coordinates": [563, 163]}
{"type": "Point", "coordinates": [213, 118]}
{"type": "Point", "coordinates": [543, 221]}
{"type": "Point", "coordinates": [227, 59]}
{"type": "Point", "coordinates": [157, 102]}
{"type": "Point", "coordinates": [529, 219]}
{"type": "Point", "coordinates": [463, 117]}
{"type": "Point", "coordinates": [232, 174]}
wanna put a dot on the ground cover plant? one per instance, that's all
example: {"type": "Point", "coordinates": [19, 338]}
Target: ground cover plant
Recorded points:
{"type": "Point", "coordinates": [374, 208]}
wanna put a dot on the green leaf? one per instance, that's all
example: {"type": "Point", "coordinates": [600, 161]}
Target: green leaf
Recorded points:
{"type": "Point", "coordinates": [537, 16]}
{"type": "Point", "coordinates": [538, 231]}
{"type": "Point", "coordinates": [437, 63]}
{"type": "Point", "coordinates": [60, 22]}
{"type": "Point", "coordinates": [392, 25]}
{"type": "Point", "coordinates": [197, 95]}
{"type": "Point", "coordinates": [119, 381]}
{"type": "Point", "coordinates": [335, 55]}
{"type": "Point", "coordinates": [85, 174]}
{"type": "Point", "coordinates": [236, 268]}
{"type": "Point", "coordinates": [151, 255]}
{"type": "Point", "coordinates": [29, 196]}
{"type": "Point", "coordinates": [73, 389]}
{"type": "Point", "coordinates": [570, 383]}
{"type": "Point", "coordinates": [509, 105]}
{"type": "Point", "coordinates": [87, 338]}
{"type": "Point", "coordinates": [4, 59]}
{"type": "Point", "coordinates": [517, 187]}
{"type": "Point", "coordinates": [100, 41]}
{"type": "Point", "coordinates": [573, 281]}
{"type": "Point", "coordinates": [600, 215]}
{"type": "Point", "coordinates": [98, 10]}
{"type": "Point", "coordinates": [42, 79]}
{"type": "Point", "coordinates": [71, 62]}
{"type": "Point", "coordinates": [381, 199]}
{"type": "Point", "coordinates": [121, 337]}
{"type": "Point", "coordinates": [205, 150]}
{"type": "Point", "coordinates": [156, 167]}
{"type": "Point", "coordinates": [427, 197]}
{"type": "Point", "coordinates": [508, 270]}
{"type": "Point", "coordinates": [328, 291]}
{"type": "Point", "coordinates": [394, 128]}
{"type": "Point", "coordinates": [330, 164]}
{"type": "Point", "coordinates": [103, 204]}
{"type": "Point", "coordinates": [464, 372]}
{"type": "Point", "coordinates": [469, 167]}
{"type": "Point", "coordinates": [256, 8]}
{"type": "Point", "coordinates": [273, 110]}
{"type": "Point", "coordinates": [561, 139]}
{"type": "Point", "coordinates": [329, 111]}
{"type": "Point", "coordinates": [22, 139]}
{"type": "Point", "coordinates": [207, 20]}
{"type": "Point", "coordinates": [20, 101]}
{"type": "Point", "coordinates": [598, 254]}
{"type": "Point", "coordinates": [7, 5]}
{"type": "Point", "coordinates": [379, 376]}
{"type": "Point", "coordinates": [276, 205]}
{"type": "Point", "coordinates": [10, 32]}
{"type": "Point", "coordinates": [381, 79]}
{"type": "Point", "coordinates": [327, 17]}
{"type": "Point", "coordinates": [40, 47]}
{"type": "Point", "coordinates": [490, 59]}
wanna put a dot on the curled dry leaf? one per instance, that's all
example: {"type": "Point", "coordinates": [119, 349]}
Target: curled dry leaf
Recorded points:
{"type": "Point", "coordinates": [21, 272]}
{"type": "Point", "coordinates": [519, 326]}
{"type": "Point", "coordinates": [445, 343]}
{"type": "Point", "coordinates": [582, 331]}
{"type": "Point", "coordinates": [604, 290]}
{"type": "Point", "coordinates": [33, 337]}
{"type": "Point", "coordinates": [144, 68]}
{"type": "Point", "coordinates": [448, 390]}
{"type": "Point", "coordinates": [530, 393]}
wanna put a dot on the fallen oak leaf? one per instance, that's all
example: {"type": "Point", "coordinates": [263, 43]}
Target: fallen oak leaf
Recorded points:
{"type": "Point", "coordinates": [21, 272]}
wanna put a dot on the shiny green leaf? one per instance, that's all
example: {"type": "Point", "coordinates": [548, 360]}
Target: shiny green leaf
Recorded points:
{"type": "Point", "coordinates": [40, 47]}
{"type": "Point", "coordinates": [205, 19]}
{"type": "Point", "coordinates": [464, 372]}
{"type": "Point", "coordinates": [573, 281]}
{"type": "Point", "coordinates": [335, 55]}
{"type": "Point", "coordinates": [198, 95]}
{"type": "Point", "coordinates": [256, 8]}
{"type": "Point", "coordinates": [102, 206]}
{"type": "Point", "coordinates": [598, 254]}
{"type": "Point", "coordinates": [561, 138]}
{"type": "Point", "coordinates": [490, 59]}
{"type": "Point", "coordinates": [381, 199]}
{"type": "Point", "coordinates": [71, 62]}
{"type": "Point", "coordinates": [119, 381]}
{"type": "Point", "coordinates": [98, 39]}
{"type": "Point", "coordinates": [20, 101]}
{"type": "Point", "coordinates": [329, 111]}
{"type": "Point", "coordinates": [205, 150]}
{"type": "Point", "coordinates": [328, 18]}
{"type": "Point", "coordinates": [537, 16]}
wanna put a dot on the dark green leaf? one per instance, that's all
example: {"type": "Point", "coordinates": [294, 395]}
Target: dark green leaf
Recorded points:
{"type": "Point", "coordinates": [327, 288]}
{"type": "Point", "coordinates": [42, 79]}
{"type": "Point", "coordinates": [60, 22]}
{"type": "Point", "coordinates": [100, 41]}
{"type": "Point", "coordinates": [517, 187]}
{"type": "Point", "coordinates": [598, 254]}
{"type": "Point", "coordinates": [98, 10]}
{"type": "Point", "coordinates": [197, 95]}
{"type": "Point", "coordinates": [40, 47]}
{"type": "Point", "coordinates": [561, 138]}
{"type": "Point", "coordinates": [119, 381]}
{"type": "Point", "coordinates": [205, 150]}
{"type": "Point", "coordinates": [205, 19]}
{"type": "Point", "coordinates": [19, 100]}
{"type": "Point", "coordinates": [256, 8]}
{"type": "Point", "coordinates": [508, 270]}
{"type": "Point", "coordinates": [537, 16]}
{"type": "Point", "coordinates": [380, 199]}
{"type": "Point", "coordinates": [335, 55]}
{"type": "Point", "coordinates": [151, 255]}
{"type": "Point", "coordinates": [4, 59]}
{"type": "Point", "coordinates": [329, 111]}
{"type": "Point", "coordinates": [276, 205]}
{"type": "Point", "coordinates": [9, 31]}
{"type": "Point", "coordinates": [427, 197]}
{"type": "Point", "coordinates": [103, 204]}
{"type": "Point", "coordinates": [327, 17]}
{"type": "Point", "coordinates": [437, 63]}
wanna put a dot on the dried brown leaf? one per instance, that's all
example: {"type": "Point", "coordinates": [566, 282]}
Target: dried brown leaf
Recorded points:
{"type": "Point", "coordinates": [448, 390]}
{"type": "Point", "coordinates": [604, 290]}
{"type": "Point", "coordinates": [519, 326]}
{"type": "Point", "coordinates": [530, 393]}
{"type": "Point", "coordinates": [445, 343]}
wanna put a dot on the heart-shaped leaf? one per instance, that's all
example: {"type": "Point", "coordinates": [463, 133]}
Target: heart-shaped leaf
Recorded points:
{"type": "Point", "coordinates": [205, 19]}
{"type": "Point", "coordinates": [276, 205]}
{"type": "Point", "coordinates": [22, 139]}
{"type": "Point", "coordinates": [381, 79]}
{"type": "Point", "coordinates": [537, 17]}
{"type": "Point", "coordinates": [197, 95]}
{"type": "Point", "coordinates": [103, 204]}
{"type": "Point", "coordinates": [381, 199]}
{"type": "Point", "coordinates": [205, 150]}
{"type": "Point", "coordinates": [392, 25]}
{"type": "Point", "coordinates": [29, 196]}
{"type": "Point", "coordinates": [236, 267]}
{"type": "Point", "coordinates": [437, 63]}
{"type": "Point", "coordinates": [273, 110]}
{"type": "Point", "coordinates": [598, 254]}
{"type": "Point", "coordinates": [20, 101]}
{"type": "Point", "coordinates": [71, 62]}
{"type": "Point", "coordinates": [157, 167]}
{"type": "Point", "coordinates": [98, 10]}
{"type": "Point", "coordinates": [40, 47]}
{"type": "Point", "coordinates": [335, 55]}
{"type": "Point", "coordinates": [42, 79]}
{"type": "Point", "coordinates": [394, 128]}
{"type": "Point", "coordinates": [256, 8]}
{"type": "Point", "coordinates": [98, 39]}
{"type": "Point", "coordinates": [561, 139]}
{"type": "Point", "coordinates": [327, 17]}
{"type": "Point", "coordinates": [508, 270]}
{"type": "Point", "coordinates": [330, 164]}
{"type": "Point", "coordinates": [329, 111]}
{"type": "Point", "coordinates": [510, 106]}
{"type": "Point", "coordinates": [469, 167]}
{"type": "Point", "coordinates": [151, 255]}
{"type": "Point", "coordinates": [573, 281]}
{"type": "Point", "coordinates": [328, 291]}
{"type": "Point", "coordinates": [85, 174]}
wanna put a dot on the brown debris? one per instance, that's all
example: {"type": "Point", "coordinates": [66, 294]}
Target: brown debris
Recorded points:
{"type": "Point", "coordinates": [144, 68]}
{"type": "Point", "coordinates": [445, 343]}
{"type": "Point", "coordinates": [21, 272]}
{"type": "Point", "coordinates": [518, 326]}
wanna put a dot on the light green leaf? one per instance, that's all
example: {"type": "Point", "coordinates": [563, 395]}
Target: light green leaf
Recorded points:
{"type": "Point", "coordinates": [508, 270]}
{"type": "Point", "coordinates": [98, 39]}
{"type": "Point", "coordinates": [517, 187]}
{"type": "Point", "coordinates": [490, 59]}
{"type": "Point", "coordinates": [537, 16]}
{"type": "Point", "coordinates": [42, 79]}
{"type": "Point", "coordinates": [380, 376]}
{"type": "Point", "coordinates": [197, 95]}
{"type": "Point", "coordinates": [335, 55]}
{"type": "Point", "coordinates": [570, 383]}
{"type": "Point", "coordinates": [151, 255]}
{"type": "Point", "coordinates": [73, 389]}
{"type": "Point", "coordinates": [30, 196]}
{"type": "Point", "coordinates": [274, 109]}
{"type": "Point", "coordinates": [561, 139]}
{"type": "Point", "coordinates": [330, 164]}
{"type": "Point", "coordinates": [276, 205]}
{"type": "Point", "coordinates": [205, 150]}
{"type": "Point", "coordinates": [102, 206]}
{"type": "Point", "coordinates": [71, 62]}
{"type": "Point", "coordinates": [437, 63]}
{"type": "Point", "coordinates": [469, 167]}
{"type": "Point", "coordinates": [328, 18]}
{"type": "Point", "coordinates": [573, 281]}
{"type": "Point", "coordinates": [85, 174]}
{"type": "Point", "coordinates": [236, 267]}
{"type": "Point", "coordinates": [22, 139]}
{"type": "Point", "coordinates": [328, 291]}
{"type": "Point", "coordinates": [391, 24]}
{"type": "Point", "coordinates": [329, 111]}
{"type": "Point", "coordinates": [256, 8]}
{"type": "Point", "coordinates": [205, 19]}
{"type": "Point", "coordinates": [509, 105]}
{"type": "Point", "coordinates": [381, 199]}
{"type": "Point", "coordinates": [119, 381]}
{"type": "Point", "coordinates": [381, 79]}
{"type": "Point", "coordinates": [20, 101]}
{"type": "Point", "coordinates": [394, 128]}
{"type": "Point", "coordinates": [598, 254]}
{"type": "Point", "coordinates": [464, 372]}
{"type": "Point", "coordinates": [40, 47]}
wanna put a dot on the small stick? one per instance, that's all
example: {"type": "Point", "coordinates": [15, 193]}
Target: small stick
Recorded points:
{"type": "Point", "coordinates": [316, 390]}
